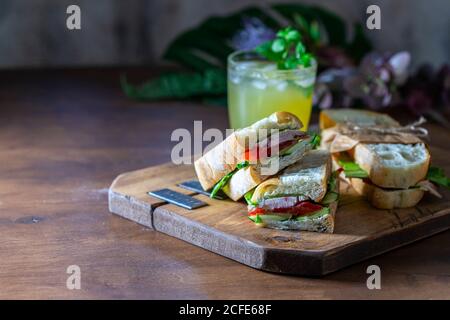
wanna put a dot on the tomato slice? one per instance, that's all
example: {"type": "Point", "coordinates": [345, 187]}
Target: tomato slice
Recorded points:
{"type": "Point", "coordinates": [250, 154]}
{"type": "Point", "coordinates": [256, 211]}
{"type": "Point", "coordinates": [300, 209]}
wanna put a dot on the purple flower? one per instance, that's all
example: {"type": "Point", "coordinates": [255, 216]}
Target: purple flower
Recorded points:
{"type": "Point", "coordinates": [374, 82]}
{"type": "Point", "coordinates": [253, 33]}
{"type": "Point", "coordinates": [399, 64]}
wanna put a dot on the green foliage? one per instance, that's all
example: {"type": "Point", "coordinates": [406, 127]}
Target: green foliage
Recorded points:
{"type": "Point", "coordinates": [437, 175]}
{"type": "Point", "coordinates": [315, 141]}
{"type": "Point", "coordinates": [207, 45]}
{"type": "Point", "coordinates": [248, 198]}
{"type": "Point", "coordinates": [287, 50]}
{"type": "Point", "coordinates": [360, 44]}
{"type": "Point", "coordinates": [256, 219]}
{"type": "Point", "coordinates": [304, 16]}
{"type": "Point", "coordinates": [179, 85]}
{"type": "Point", "coordinates": [309, 19]}
{"type": "Point", "coordinates": [332, 181]}
{"type": "Point", "coordinates": [222, 182]}
{"type": "Point", "coordinates": [353, 170]}
{"type": "Point", "coordinates": [204, 49]}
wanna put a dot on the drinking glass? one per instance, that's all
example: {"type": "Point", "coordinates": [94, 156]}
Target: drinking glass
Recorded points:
{"type": "Point", "coordinates": [256, 88]}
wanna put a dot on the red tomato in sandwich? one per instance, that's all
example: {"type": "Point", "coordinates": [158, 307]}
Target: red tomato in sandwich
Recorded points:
{"type": "Point", "coordinates": [249, 152]}
{"type": "Point", "coordinates": [258, 152]}
{"type": "Point", "coordinates": [256, 211]}
{"type": "Point", "coordinates": [300, 209]}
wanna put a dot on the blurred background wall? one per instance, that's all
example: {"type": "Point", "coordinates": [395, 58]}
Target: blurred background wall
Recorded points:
{"type": "Point", "coordinates": [33, 33]}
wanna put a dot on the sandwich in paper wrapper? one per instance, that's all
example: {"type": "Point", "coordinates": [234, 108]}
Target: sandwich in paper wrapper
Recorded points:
{"type": "Point", "coordinates": [383, 163]}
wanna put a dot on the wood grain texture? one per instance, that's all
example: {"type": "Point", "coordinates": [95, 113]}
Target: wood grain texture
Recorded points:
{"type": "Point", "coordinates": [66, 134]}
{"type": "Point", "coordinates": [128, 196]}
{"type": "Point", "coordinates": [222, 227]}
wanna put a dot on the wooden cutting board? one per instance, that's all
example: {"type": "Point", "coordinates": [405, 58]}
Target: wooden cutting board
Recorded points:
{"type": "Point", "coordinates": [222, 227]}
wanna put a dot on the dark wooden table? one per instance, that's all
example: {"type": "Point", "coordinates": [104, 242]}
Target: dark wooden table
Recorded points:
{"type": "Point", "coordinates": [65, 135]}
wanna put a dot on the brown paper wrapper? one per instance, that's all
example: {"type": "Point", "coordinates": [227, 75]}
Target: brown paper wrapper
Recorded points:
{"type": "Point", "coordinates": [343, 138]}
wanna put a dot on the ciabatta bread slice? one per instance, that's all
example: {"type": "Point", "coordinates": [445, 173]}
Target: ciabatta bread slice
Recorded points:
{"type": "Point", "coordinates": [223, 158]}
{"type": "Point", "coordinates": [307, 177]}
{"type": "Point", "coordinates": [248, 178]}
{"type": "Point", "coordinates": [278, 120]}
{"type": "Point", "coordinates": [331, 117]}
{"type": "Point", "coordinates": [397, 166]}
{"type": "Point", "coordinates": [316, 223]}
{"type": "Point", "coordinates": [387, 198]}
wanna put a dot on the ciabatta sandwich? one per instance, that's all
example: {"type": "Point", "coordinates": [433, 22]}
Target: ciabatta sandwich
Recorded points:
{"type": "Point", "coordinates": [302, 197]}
{"type": "Point", "coordinates": [237, 164]}
{"type": "Point", "coordinates": [387, 166]}
{"type": "Point", "coordinates": [329, 118]}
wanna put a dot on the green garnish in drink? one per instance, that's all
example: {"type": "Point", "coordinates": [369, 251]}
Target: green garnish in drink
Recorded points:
{"type": "Point", "coordinates": [287, 50]}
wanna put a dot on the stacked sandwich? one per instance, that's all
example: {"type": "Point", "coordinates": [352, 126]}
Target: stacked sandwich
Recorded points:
{"type": "Point", "coordinates": [295, 196]}
{"type": "Point", "coordinates": [236, 165]}
{"type": "Point", "coordinates": [380, 159]}
{"type": "Point", "coordinates": [302, 197]}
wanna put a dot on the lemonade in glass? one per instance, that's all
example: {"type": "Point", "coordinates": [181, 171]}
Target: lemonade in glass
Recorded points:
{"type": "Point", "coordinates": [256, 88]}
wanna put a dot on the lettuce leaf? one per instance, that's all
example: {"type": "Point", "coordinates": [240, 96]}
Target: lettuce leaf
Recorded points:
{"type": "Point", "coordinates": [256, 219]}
{"type": "Point", "coordinates": [248, 198]}
{"type": "Point", "coordinates": [332, 181]}
{"type": "Point", "coordinates": [222, 182]}
{"type": "Point", "coordinates": [437, 175]}
{"type": "Point", "coordinates": [315, 141]}
{"type": "Point", "coordinates": [314, 215]}
{"type": "Point", "coordinates": [353, 170]}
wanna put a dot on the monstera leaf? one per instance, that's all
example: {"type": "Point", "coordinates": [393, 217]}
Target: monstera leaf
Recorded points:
{"type": "Point", "coordinates": [207, 45]}
{"type": "Point", "coordinates": [179, 85]}
{"type": "Point", "coordinates": [360, 44]}
{"type": "Point", "coordinates": [335, 27]}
